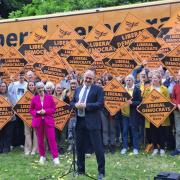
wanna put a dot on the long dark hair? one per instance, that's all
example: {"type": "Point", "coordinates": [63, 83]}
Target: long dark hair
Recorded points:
{"type": "Point", "coordinates": [6, 92]}
{"type": "Point", "coordinates": [34, 86]}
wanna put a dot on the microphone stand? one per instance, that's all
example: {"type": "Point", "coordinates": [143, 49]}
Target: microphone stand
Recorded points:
{"type": "Point", "coordinates": [72, 168]}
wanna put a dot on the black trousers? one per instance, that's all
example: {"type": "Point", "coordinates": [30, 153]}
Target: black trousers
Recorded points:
{"type": "Point", "coordinates": [94, 137]}
{"type": "Point", "coordinates": [18, 132]}
{"type": "Point", "coordinates": [158, 136]}
{"type": "Point", "coordinates": [6, 137]}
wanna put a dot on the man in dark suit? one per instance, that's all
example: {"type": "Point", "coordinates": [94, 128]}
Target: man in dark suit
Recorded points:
{"type": "Point", "coordinates": [88, 101]}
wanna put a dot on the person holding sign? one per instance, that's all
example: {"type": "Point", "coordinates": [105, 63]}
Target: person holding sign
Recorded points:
{"type": "Point", "coordinates": [42, 109]}
{"type": "Point", "coordinates": [131, 116]}
{"type": "Point", "coordinates": [158, 135]}
{"type": "Point", "coordinates": [60, 135]}
{"type": "Point", "coordinates": [88, 102]}
{"type": "Point", "coordinates": [176, 101]}
{"type": "Point", "coordinates": [6, 133]}
{"type": "Point", "coordinates": [16, 89]}
{"type": "Point", "coordinates": [30, 146]}
{"type": "Point", "coordinates": [68, 95]}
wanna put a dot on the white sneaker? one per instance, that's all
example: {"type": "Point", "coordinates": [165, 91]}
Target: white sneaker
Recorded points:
{"type": "Point", "coordinates": [135, 151]}
{"type": "Point", "coordinates": [56, 161]}
{"type": "Point", "coordinates": [162, 152]}
{"type": "Point", "coordinates": [11, 147]}
{"type": "Point", "coordinates": [42, 160]}
{"type": "Point", "coordinates": [21, 146]}
{"type": "Point", "coordinates": [155, 152]}
{"type": "Point", "coordinates": [27, 153]}
{"type": "Point", "coordinates": [123, 151]}
{"type": "Point", "coordinates": [33, 153]}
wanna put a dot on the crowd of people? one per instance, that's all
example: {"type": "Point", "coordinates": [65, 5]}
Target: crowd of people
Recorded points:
{"type": "Point", "coordinates": [126, 130]}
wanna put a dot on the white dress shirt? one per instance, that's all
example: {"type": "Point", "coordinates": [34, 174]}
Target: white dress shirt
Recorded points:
{"type": "Point", "coordinates": [81, 112]}
{"type": "Point", "coordinates": [82, 92]}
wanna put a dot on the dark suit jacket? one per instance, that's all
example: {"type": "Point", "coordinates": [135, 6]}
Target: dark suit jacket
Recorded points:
{"type": "Point", "coordinates": [94, 104]}
{"type": "Point", "coordinates": [136, 100]}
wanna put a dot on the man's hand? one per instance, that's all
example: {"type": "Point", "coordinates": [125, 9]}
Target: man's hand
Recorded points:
{"type": "Point", "coordinates": [79, 105]}
{"type": "Point", "coordinates": [83, 105]}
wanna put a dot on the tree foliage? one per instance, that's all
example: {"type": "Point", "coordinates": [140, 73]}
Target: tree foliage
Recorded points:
{"type": "Point", "coordinates": [7, 6]}
{"type": "Point", "coordinates": [40, 7]}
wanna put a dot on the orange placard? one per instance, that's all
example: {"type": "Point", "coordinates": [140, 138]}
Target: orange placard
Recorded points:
{"type": "Point", "coordinates": [109, 69]}
{"type": "Point", "coordinates": [155, 108]}
{"type": "Point", "coordinates": [115, 97]}
{"type": "Point", "coordinates": [161, 53]}
{"type": "Point", "coordinates": [62, 113]}
{"type": "Point", "coordinates": [173, 36]}
{"type": "Point", "coordinates": [22, 108]}
{"type": "Point", "coordinates": [129, 29]}
{"type": "Point", "coordinates": [6, 112]}
{"type": "Point", "coordinates": [122, 62]}
{"type": "Point", "coordinates": [5, 77]}
{"type": "Point", "coordinates": [99, 40]}
{"type": "Point", "coordinates": [172, 61]}
{"type": "Point", "coordinates": [13, 62]}
{"type": "Point", "coordinates": [31, 60]}
{"type": "Point", "coordinates": [145, 46]}
{"type": "Point", "coordinates": [65, 51]}
{"type": "Point", "coordinates": [135, 56]}
{"type": "Point", "coordinates": [54, 71]}
{"type": "Point", "coordinates": [47, 58]}
{"type": "Point", "coordinates": [33, 44]}
{"type": "Point", "coordinates": [155, 61]}
{"type": "Point", "coordinates": [98, 63]}
{"type": "Point", "coordinates": [173, 21]}
{"type": "Point", "coordinates": [80, 59]}
{"type": "Point", "coordinates": [63, 35]}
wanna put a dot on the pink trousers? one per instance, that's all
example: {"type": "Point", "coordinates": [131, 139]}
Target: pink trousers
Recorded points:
{"type": "Point", "coordinates": [42, 131]}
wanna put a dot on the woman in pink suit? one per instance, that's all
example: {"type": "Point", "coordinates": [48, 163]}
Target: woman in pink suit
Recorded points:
{"type": "Point", "coordinates": [42, 109]}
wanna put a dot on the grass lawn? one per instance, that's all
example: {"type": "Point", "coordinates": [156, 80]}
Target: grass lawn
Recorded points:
{"type": "Point", "coordinates": [17, 166]}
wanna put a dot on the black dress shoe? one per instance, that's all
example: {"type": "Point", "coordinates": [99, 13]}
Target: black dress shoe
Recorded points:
{"type": "Point", "coordinates": [100, 176]}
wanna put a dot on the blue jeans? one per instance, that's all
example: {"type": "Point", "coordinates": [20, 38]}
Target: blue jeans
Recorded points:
{"type": "Point", "coordinates": [134, 130]}
{"type": "Point", "coordinates": [118, 126]}
{"type": "Point", "coordinates": [125, 123]}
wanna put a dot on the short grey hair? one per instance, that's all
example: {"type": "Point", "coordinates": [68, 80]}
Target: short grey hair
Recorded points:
{"type": "Point", "coordinates": [30, 73]}
{"type": "Point", "coordinates": [130, 76]}
{"type": "Point", "coordinates": [39, 84]}
{"type": "Point", "coordinates": [49, 84]}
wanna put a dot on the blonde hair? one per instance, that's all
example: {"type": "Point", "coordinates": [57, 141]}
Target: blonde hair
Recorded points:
{"type": "Point", "coordinates": [49, 84]}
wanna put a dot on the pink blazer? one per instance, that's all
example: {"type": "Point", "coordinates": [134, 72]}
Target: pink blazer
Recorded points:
{"type": "Point", "coordinates": [48, 105]}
